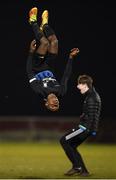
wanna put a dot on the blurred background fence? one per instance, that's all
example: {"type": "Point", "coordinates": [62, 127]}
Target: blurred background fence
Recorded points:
{"type": "Point", "coordinates": [36, 128]}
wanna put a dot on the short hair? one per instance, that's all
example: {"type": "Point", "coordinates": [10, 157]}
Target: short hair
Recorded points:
{"type": "Point", "coordinates": [85, 79]}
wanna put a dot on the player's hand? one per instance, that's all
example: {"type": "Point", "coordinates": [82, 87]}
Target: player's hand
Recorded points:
{"type": "Point", "coordinates": [73, 53]}
{"type": "Point", "coordinates": [33, 46]}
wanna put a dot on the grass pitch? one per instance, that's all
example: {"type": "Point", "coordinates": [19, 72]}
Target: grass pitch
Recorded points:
{"type": "Point", "coordinates": [47, 160]}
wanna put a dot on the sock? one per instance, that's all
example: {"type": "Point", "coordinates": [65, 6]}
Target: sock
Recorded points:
{"type": "Point", "coordinates": [38, 33]}
{"type": "Point", "coordinates": [48, 30]}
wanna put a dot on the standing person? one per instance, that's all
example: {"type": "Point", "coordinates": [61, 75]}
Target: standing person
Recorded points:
{"type": "Point", "coordinates": [87, 127]}
{"type": "Point", "coordinates": [42, 51]}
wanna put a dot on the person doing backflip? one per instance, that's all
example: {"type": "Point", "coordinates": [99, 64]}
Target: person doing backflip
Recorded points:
{"type": "Point", "coordinates": [43, 50]}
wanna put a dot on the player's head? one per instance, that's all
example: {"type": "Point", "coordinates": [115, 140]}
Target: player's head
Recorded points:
{"type": "Point", "coordinates": [52, 102]}
{"type": "Point", "coordinates": [84, 83]}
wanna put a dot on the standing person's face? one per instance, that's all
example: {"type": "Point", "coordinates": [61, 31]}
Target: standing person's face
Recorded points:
{"type": "Point", "coordinates": [83, 88]}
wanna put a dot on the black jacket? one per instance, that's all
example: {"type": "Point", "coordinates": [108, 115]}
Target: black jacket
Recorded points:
{"type": "Point", "coordinates": [91, 110]}
{"type": "Point", "coordinates": [52, 86]}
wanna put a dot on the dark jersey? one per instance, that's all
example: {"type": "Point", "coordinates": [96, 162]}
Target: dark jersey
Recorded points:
{"type": "Point", "coordinates": [91, 110]}
{"type": "Point", "coordinates": [42, 78]}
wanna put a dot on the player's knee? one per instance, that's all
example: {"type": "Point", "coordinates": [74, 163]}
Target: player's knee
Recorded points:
{"type": "Point", "coordinates": [45, 43]}
{"type": "Point", "coordinates": [54, 42]}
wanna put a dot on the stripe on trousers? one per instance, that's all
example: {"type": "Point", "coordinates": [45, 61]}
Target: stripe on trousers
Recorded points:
{"type": "Point", "coordinates": [75, 133]}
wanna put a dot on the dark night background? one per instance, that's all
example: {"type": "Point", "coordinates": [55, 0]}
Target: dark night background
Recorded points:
{"type": "Point", "coordinates": [90, 26]}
